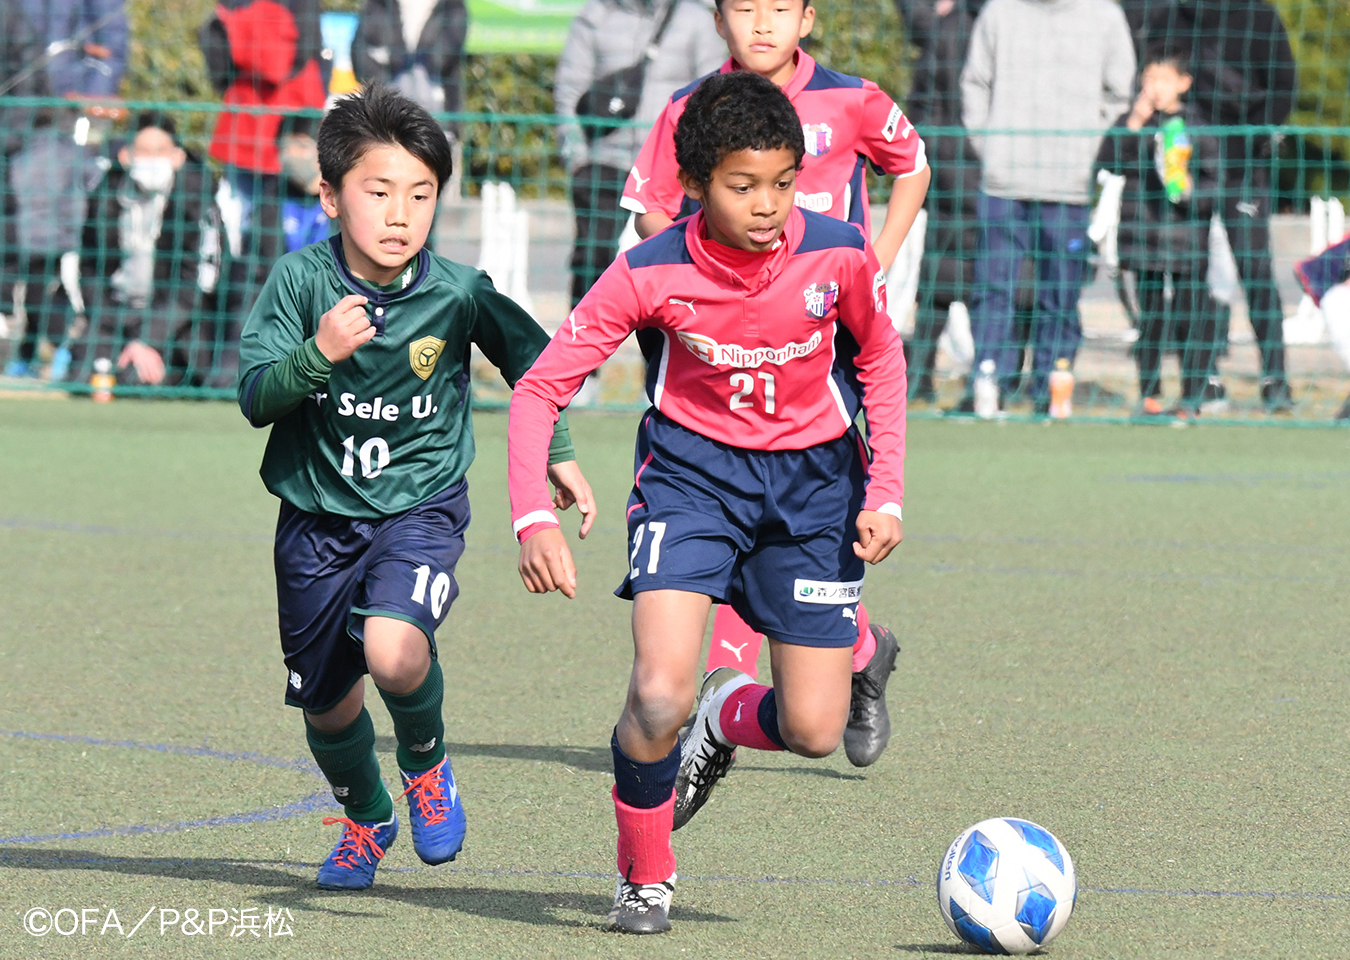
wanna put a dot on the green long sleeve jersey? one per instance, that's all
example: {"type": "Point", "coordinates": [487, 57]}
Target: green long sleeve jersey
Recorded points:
{"type": "Point", "coordinates": [390, 427]}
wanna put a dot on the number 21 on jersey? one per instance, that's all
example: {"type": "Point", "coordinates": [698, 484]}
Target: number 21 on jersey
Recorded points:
{"type": "Point", "coordinates": [744, 385]}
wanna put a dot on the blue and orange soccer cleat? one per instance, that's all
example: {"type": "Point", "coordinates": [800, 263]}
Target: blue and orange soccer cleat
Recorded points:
{"type": "Point", "coordinates": [351, 865]}
{"type": "Point", "coordinates": [435, 813]}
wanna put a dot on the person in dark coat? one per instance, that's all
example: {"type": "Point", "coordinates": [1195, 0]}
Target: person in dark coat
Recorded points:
{"type": "Point", "coordinates": [415, 46]}
{"type": "Point", "coordinates": [1244, 75]}
{"type": "Point", "coordinates": [1171, 172]}
{"type": "Point", "coordinates": [151, 260]}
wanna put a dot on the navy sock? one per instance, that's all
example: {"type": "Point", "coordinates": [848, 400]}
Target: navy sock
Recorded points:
{"type": "Point", "coordinates": [768, 718]}
{"type": "Point", "coordinates": [644, 785]}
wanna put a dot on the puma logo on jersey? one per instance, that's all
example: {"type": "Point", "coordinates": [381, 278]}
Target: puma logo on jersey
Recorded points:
{"type": "Point", "coordinates": [738, 711]}
{"type": "Point", "coordinates": [852, 614]}
{"type": "Point", "coordinates": [572, 319]}
{"type": "Point", "coordinates": [739, 651]}
{"type": "Point", "coordinates": [677, 302]}
{"type": "Point", "coordinates": [423, 747]}
{"type": "Point", "coordinates": [638, 179]}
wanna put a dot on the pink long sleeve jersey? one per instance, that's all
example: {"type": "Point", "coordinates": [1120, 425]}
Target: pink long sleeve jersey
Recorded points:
{"type": "Point", "coordinates": [745, 363]}
{"type": "Point", "coordinates": [847, 121]}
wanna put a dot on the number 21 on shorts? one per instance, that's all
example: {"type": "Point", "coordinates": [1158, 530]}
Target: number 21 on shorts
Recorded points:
{"type": "Point", "coordinates": [658, 529]}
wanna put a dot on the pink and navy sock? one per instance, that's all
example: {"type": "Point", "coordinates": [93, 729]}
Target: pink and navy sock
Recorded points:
{"type": "Point", "coordinates": [749, 718]}
{"type": "Point", "coordinates": [644, 806]}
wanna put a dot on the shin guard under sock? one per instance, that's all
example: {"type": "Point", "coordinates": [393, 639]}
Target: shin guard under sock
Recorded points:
{"type": "Point", "coordinates": [735, 643]}
{"type": "Point", "coordinates": [419, 725]}
{"type": "Point", "coordinates": [866, 644]}
{"type": "Point", "coordinates": [347, 759]}
{"type": "Point", "coordinates": [749, 718]}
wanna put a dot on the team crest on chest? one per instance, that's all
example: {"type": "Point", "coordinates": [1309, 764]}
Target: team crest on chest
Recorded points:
{"type": "Point", "coordinates": [818, 137]}
{"type": "Point", "coordinates": [423, 354]}
{"type": "Point", "coordinates": [820, 298]}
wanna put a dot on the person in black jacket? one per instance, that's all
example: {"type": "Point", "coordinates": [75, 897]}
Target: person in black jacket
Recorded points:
{"type": "Point", "coordinates": [416, 46]}
{"type": "Point", "coordinates": [150, 260]}
{"type": "Point", "coordinates": [1171, 181]}
{"type": "Point", "coordinates": [1244, 75]}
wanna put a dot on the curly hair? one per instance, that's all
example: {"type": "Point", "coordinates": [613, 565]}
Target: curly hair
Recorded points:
{"type": "Point", "coordinates": [380, 116]}
{"type": "Point", "coordinates": [730, 112]}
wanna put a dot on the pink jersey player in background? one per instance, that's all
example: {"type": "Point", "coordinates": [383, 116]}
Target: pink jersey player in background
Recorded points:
{"type": "Point", "coordinates": [847, 122]}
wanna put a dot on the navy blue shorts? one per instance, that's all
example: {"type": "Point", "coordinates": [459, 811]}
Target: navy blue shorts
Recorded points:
{"type": "Point", "coordinates": [333, 572]}
{"type": "Point", "coordinates": [770, 532]}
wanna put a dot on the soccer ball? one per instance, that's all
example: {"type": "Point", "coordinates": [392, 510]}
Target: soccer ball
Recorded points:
{"type": "Point", "coordinates": [1006, 886]}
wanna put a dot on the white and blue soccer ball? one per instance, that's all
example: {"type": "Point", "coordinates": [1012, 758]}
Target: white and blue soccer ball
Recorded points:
{"type": "Point", "coordinates": [1006, 886]}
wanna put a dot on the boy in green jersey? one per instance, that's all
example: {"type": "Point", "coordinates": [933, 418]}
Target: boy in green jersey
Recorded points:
{"type": "Point", "coordinates": [357, 354]}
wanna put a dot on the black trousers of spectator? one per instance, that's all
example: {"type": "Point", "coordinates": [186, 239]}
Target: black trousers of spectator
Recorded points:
{"type": "Point", "coordinates": [596, 191]}
{"type": "Point", "coordinates": [1188, 328]}
{"type": "Point", "coordinates": [1245, 210]}
{"type": "Point", "coordinates": [45, 302]}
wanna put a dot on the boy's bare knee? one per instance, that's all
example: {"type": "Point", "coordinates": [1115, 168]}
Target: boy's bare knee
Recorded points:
{"type": "Point", "coordinates": [659, 707]}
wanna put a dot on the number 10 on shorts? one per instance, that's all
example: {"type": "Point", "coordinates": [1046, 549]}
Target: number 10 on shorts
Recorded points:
{"type": "Point", "coordinates": [658, 530]}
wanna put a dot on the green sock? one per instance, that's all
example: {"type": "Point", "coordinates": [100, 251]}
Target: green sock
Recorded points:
{"type": "Point", "coordinates": [418, 724]}
{"type": "Point", "coordinates": [347, 759]}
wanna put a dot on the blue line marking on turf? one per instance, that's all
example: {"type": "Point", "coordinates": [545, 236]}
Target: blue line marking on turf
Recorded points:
{"type": "Point", "coordinates": [324, 801]}
{"type": "Point", "coordinates": [309, 804]}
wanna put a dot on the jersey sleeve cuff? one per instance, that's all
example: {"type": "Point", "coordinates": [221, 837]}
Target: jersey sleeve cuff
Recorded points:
{"type": "Point", "coordinates": [920, 162]}
{"type": "Point", "coordinates": [530, 524]}
{"type": "Point", "coordinates": [628, 203]}
{"type": "Point", "coordinates": [893, 509]}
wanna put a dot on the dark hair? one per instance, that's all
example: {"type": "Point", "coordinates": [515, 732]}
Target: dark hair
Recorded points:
{"type": "Point", "coordinates": [157, 120]}
{"type": "Point", "coordinates": [730, 112]}
{"type": "Point", "coordinates": [296, 125]}
{"type": "Point", "coordinates": [380, 116]}
{"type": "Point", "coordinates": [1167, 52]}
{"type": "Point", "coordinates": [722, 3]}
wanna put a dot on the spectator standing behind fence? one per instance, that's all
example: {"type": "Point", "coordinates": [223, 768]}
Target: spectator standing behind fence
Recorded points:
{"type": "Point", "coordinates": [1038, 65]}
{"type": "Point", "coordinates": [940, 29]}
{"type": "Point", "coordinates": [1244, 75]}
{"type": "Point", "coordinates": [86, 41]}
{"type": "Point", "coordinates": [260, 53]}
{"type": "Point", "coordinates": [605, 37]}
{"type": "Point", "coordinates": [1171, 173]}
{"type": "Point", "coordinates": [303, 219]}
{"type": "Point", "coordinates": [417, 47]}
{"type": "Point", "coordinates": [151, 258]}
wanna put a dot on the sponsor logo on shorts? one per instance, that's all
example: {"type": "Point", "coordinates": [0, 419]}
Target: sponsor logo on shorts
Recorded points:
{"type": "Point", "coordinates": [423, 354]}
{"type": "Point", "coordinates": [818, 138]}
{"type": "Point", "coordinates": [817, 202]}
{"type": "Point", "coordinates": [734, 355]}
{"type": "Point", "coordinates": [828, 592]}
{"type": "Point", "coordinates": [821, 298]}
{"type": "Point", "coordinates": [295, 680]}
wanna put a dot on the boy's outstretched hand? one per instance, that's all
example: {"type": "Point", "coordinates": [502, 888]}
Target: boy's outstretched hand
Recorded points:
{"type": "Point", "coordinates": [571, 487]}
{"type": "Point", "coordinates": [344, 328]}
{"type": "Point", "coordinates": [878, 535]}
{"type": "Point", "coordinates": [546, 563]}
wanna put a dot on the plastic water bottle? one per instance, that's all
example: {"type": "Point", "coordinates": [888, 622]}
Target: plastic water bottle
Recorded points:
{"type": "Point", "coordinates": [102, 382]}
{"type": "Point", "coordinates": [986, 391]}
{"type": "Point", "coordinates": [1061, 390]}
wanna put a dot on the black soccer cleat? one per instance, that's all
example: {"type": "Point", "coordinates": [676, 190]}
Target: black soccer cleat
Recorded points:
{"type": "Point", "coordinates": [704, 757]}
{"type": "Point", "coordinates": [641, 907]}
{"type": "Point", "coordinates": [869, 725]}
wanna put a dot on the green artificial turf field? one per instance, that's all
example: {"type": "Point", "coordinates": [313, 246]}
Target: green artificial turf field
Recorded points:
{"type": "Point", "coordinates": [1132, 635]}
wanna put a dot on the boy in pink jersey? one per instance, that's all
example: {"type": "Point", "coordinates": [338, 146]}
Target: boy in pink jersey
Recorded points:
{"type": "Point", "coordinates": [751, 487]}
{"type": "Point", "coordinates": [847, 122]}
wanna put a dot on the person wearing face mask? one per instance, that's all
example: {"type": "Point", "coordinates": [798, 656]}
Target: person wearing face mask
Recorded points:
{"type": "Point", "coordinates": [302, 218]}
{"type": "Point", "coordinates": [151, 260]}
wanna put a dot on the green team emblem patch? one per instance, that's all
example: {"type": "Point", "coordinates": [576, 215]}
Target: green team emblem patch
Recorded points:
{"type": "Point", "coordinates": [423, 354]}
